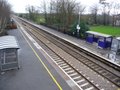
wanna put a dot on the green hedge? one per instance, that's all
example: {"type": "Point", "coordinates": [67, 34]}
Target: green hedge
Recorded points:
{"type": "Point", "coordinates": [83, 28]}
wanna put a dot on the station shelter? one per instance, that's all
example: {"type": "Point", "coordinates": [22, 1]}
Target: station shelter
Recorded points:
{"type": "Point", "coordinates": [103, 40]}
{"type": "Point", "coordinates": [8, 53]}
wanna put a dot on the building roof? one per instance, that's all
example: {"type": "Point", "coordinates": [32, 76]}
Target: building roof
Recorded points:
{"type": "Point", "coordinates": [98, 34]}
{"type": "Point", "coordinates": [8, 42]}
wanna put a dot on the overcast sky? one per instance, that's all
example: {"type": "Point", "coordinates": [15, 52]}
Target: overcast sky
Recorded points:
{"type": "Point", "coordinates": [19, 5]}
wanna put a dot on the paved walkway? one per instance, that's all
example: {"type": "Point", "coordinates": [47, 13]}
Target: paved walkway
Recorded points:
{"type": "Point", "coordinates": [32, 75]}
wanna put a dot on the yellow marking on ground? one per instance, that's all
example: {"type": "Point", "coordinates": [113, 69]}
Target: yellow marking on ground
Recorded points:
{"type": "Point", "coordinates": [53, 78]}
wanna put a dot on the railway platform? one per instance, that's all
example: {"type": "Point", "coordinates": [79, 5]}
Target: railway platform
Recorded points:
{"type": "Point", "coordinates": [35, 73]}
{"type": "Point", "coordinates": [104, 53]}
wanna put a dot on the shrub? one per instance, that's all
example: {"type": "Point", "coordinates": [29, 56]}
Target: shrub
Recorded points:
{"type": "Point", "coordinates": [83, 28]}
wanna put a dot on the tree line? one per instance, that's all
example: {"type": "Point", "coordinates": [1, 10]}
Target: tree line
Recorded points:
{"type": "Point", "coordinates": [105, 13]}
{"type": "Point", "coordinates": [5, 11]}
{"type": "Point", "coordinates": [59, 14]}
{"type": "Point", "coordinates": [65, 12]}
{"type": "Point", "coordinates": [64, 15]}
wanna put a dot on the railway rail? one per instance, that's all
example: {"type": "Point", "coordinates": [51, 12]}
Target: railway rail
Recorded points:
{"type": "Point", "coordinates": [68, 68]}
{"type": "Point", "coordinates": [79, 55]}
{"type": "Point", "coordinates": [97, 57]}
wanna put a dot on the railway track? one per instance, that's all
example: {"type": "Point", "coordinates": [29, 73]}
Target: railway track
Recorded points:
{"type": "Point", "coordinates": [67, 66]}
{"type": "Point", "coordinates": [78, 48]}
{"type": "Point", "coordinates": [82, 82]}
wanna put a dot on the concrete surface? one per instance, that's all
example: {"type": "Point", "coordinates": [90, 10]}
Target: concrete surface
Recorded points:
{"type": "Point", "coordinates": [31, 75]}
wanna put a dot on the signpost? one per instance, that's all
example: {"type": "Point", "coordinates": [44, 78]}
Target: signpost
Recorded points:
{"type": "Point", "coordinates": [78, 30]}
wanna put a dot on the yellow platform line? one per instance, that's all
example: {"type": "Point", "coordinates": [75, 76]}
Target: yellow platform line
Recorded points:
{"type": "Point", "coordinates": [53, 78]}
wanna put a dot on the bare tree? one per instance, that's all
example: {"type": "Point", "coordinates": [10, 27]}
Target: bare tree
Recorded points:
{"type": "Point", "coordinates": [43, 7]}
{"type": "Point", "coordinates": [116, 7]}
{"type": "Point", "coordinates": [79, 10]}
{"type": "Point", "coordinates": [32, 11]}
{"type": "Point", "coordinates": [70, 10]}
{"type": "Point", "coordinates": [62, 13]}
{"type": "Point", "coordinates": [5, 10]}
{"type": "Point", "coordinates": [94, 12]}
{"type": "Point", "coordinates": [66, 10]}
{"type": "Point", "coordinates": [109, 6]}
{"type": "Point", "coordinates": [104, 13]}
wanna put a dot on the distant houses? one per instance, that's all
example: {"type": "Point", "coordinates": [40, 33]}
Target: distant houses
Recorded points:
{"type": "Point", "coordinates": [116, 20]}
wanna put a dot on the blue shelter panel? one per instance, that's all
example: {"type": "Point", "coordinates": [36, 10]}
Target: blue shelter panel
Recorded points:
{"type": "Point", "coordinates": [105, 42]}
{"type": "Point", "coordinates": [96, 39]}
{"type": "Point", "coordinates": [90, 38]}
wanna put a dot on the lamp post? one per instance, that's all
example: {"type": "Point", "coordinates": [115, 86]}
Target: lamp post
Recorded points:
{"type": "Point", "coordinates": [78, 26]}
{"type": "Point", "coordinates": [79, 19]}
